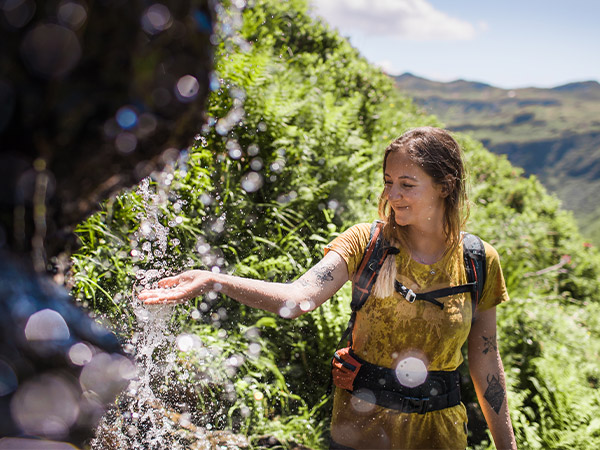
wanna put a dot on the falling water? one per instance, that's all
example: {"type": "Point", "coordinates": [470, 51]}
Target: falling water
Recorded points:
{"type": "Point", "coordinates": [144, 416]}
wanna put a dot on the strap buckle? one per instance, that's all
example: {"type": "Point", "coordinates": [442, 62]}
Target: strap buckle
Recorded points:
{"type": "Point", "coordinates": [416, 405]}
{"type": "Point", "coordinates": [410, 296]}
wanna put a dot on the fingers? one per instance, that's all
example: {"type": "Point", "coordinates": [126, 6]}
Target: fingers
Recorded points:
{"type": "Point", "coordinates": [169, 281]}
{"type": "Point", "coordinates": [154, 296]}
{"type": "Point", "coordinates": [175, 289]}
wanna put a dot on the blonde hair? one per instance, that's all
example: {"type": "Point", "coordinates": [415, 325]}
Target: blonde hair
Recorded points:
{"type": "Point", "coordinates": [440, 157]}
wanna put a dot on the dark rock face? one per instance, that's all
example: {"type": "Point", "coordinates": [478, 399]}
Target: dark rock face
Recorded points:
{"type": "Point", "coordinates": [58, 368]}
{"type": "Point", "coordinates": [94, 95]}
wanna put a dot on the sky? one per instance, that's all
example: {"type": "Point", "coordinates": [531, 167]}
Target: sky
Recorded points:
{"type": "Point", "coordinates": [505, 43]}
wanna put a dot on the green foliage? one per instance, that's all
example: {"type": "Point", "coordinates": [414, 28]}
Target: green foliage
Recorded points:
{"type": "Point", "coordinates": [290, 158]}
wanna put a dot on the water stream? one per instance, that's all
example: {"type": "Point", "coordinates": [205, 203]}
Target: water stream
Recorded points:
{"type": "Point", "coordinates": [144, 416]}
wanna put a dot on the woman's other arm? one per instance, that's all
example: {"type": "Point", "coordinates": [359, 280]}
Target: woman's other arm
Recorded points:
{"type": "Point", "coordinates": [289, 300]}
{"type": "Point", "coordinates": [488, 377]}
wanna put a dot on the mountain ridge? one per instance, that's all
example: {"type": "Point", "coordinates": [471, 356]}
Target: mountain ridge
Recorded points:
{"type": "Point", "coordinates": [571, 86]}
{"type": "Point", "coordinates": [552, 133]}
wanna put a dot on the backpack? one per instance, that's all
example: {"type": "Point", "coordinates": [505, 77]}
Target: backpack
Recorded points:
{"type": "Point", "coordinates": [352, 373]}
{"type": "Point", "coordinates": [377, 251]}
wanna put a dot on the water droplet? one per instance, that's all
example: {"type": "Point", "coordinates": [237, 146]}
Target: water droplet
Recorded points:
{"type": "Point", "coordinates": [411, 372]}
{"type": "Point", "coordinates": [51, 50]}
{"type": "Point", "coordinates": [80, 354]}
{"type": "Point", "coordinates": [126, 142]}
{"type": "Point", "coordinates": [46, 324]}
{"type": "Point", "coordinates": [252, 182]}
{"type": "Point", "coordinates": [156, 18]}
{"type": "Point", "coordinates": [187, 88]}
{"type": "Point", "coordinates": [72, 14]}
{"type": "Point", "coordinates": [18, 13]}
{"type": "Point", "coordinates": [126, 117]}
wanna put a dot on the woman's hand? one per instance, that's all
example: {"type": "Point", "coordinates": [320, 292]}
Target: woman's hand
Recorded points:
{"type": "Point", "coordinates": [179, 288]}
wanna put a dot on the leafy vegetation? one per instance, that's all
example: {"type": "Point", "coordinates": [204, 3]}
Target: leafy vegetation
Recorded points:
{"type": "Point", "coordinates": [292, 156]}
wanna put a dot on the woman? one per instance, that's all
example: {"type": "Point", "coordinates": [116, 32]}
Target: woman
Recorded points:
{"type": "Point", "coordinates": [422, 207]}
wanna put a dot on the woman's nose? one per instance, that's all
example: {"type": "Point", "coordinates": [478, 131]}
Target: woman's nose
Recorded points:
{"type": "Point", "coordinates": [394, 193]}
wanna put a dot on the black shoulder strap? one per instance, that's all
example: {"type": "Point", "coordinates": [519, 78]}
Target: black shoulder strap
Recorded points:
{"type": "Point", "coordinates": [366, 275]}
{"type": "Point", "coordinates": [475, 265]}
{"type": "Point", "coordinates": [368, 270]}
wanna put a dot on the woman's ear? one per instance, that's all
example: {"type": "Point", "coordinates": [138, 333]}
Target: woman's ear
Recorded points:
{"type": "Point", "coordinates": [447, 186]}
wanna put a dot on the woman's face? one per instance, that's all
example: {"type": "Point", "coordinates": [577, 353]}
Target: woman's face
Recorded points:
{"type": "Point", "coordinates": [412, 194]}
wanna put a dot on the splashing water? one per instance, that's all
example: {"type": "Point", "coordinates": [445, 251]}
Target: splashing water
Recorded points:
{"type": "Point", "coordinates": [143, 417]}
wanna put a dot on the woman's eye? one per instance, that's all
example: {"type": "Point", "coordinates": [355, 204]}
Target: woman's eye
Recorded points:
{"type": "Point", "coordinates": [409, 185]}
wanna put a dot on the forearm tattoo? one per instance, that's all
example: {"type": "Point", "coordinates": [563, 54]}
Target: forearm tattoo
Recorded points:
{"type": "Point", "coordinates": [494, 394]}
{"type": "Point", "coordinates": [489, 344]}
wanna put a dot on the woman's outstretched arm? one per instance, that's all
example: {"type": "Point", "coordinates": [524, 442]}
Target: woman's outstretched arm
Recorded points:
{"type": "Point", "coordinates": [488, 377]}
{"type": "Point", "coordinates": [289, 300]}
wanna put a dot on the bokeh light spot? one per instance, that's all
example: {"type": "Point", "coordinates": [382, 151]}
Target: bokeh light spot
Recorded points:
{"type": "Point", "coordinates": [80, 354]}
{"type": "Point", "coordinates": [252, 182]}
{"type": "Point", "coordinates": [18, 13]}
{"type": "Point", "coordinates": [46, 406]}
{"type": "Point", "coordinates": [156, 18]}
{"type": "Point", "coordinates": [363, 400]}
{"type": "Point", "coordinates": [51, 50]}
{"type": "Point", "coordinates": [72, 14]}
{"type": "Point", "coordinates": [126, 142]}
{"type": "Point", "coordinates": [45, 325]}
{"type": "Point", "coordinates": [187, 88]}
{"type": "Point", "coordinates": [411, 372]}
{"type": "Point", "coordinates": [126, 117]}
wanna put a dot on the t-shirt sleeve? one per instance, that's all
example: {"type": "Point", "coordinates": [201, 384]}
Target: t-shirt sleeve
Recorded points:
{"type": "Point", "coordinates": [351, 245]}
{"type": "Point", "coordinates": [494, 290]}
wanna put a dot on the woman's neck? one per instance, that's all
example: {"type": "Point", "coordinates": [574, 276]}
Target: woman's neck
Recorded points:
{"type": "Point", "coordinates": [426, 247]}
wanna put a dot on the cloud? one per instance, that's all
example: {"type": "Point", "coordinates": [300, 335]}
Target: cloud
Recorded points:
{"type": "Point", "coordinates": [387, 66]}
{"type": "Point", "coordinates": [407, 19]}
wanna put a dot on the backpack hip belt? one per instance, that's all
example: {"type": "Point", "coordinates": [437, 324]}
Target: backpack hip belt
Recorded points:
{"type": "Point", "coordinates": [380, 385]}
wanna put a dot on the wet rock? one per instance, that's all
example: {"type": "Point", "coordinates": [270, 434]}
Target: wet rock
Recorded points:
{"type": "Point", "coordinates": [94, 96]}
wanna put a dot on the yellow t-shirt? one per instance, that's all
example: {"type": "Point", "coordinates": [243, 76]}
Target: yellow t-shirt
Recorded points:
{"type": "Point", "coordinates": [390, 332]}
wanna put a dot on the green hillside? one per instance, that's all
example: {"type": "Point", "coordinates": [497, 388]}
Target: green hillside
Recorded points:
{"type": "Point", "coordinates": [290, 158]}
{"type": "Point", "coordinates": [552, 133]}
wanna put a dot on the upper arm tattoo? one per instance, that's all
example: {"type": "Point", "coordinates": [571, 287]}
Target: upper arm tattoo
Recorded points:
{"type": "Point", "coordinates": [494, 394]}
{"type": "Point", "coordinates": [324, 274]}
{"type": "Point", "coordinates": [318, 274]}
{"type": "Point", "coordinates": [489, 344]}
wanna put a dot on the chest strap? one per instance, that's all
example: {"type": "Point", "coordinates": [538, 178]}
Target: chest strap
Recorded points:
{"type": "Point", "coordinates": [432, 296]}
